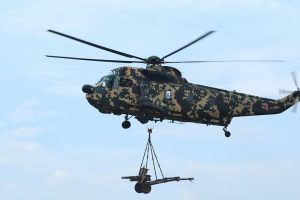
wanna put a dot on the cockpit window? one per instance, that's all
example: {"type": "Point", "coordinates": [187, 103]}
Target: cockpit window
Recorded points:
{"type": "Point", "coordinates": [100, 80]}
{"type": "Point", "coordinates": [106, 81]}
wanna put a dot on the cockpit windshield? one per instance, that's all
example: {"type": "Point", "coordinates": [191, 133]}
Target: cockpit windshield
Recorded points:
{"type": "Point", "coordinates": [106, 81]}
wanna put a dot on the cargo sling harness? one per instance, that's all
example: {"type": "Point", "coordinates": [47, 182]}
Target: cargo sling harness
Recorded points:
{"type": "Point", "coordinates": [143, 180]}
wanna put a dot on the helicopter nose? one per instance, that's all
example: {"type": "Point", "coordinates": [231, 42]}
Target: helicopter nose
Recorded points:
{"type": "Point", "coordinates": [88, 89]}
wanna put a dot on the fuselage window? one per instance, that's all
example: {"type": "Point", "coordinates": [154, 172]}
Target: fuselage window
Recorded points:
{"type": "Point", "coordinates": [188, 95]}
{"type": "Point", "coordinates": [167, 94]}
{"type": "Point", "coordinates": [115, 83]}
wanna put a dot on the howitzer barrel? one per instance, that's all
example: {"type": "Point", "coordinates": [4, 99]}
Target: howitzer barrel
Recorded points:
{"type": "Point", "coordinates": [132, 178]}
{"type": "Point", "coordinates": [138, 178]}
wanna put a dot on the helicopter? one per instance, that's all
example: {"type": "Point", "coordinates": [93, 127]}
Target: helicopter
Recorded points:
{"type": "Point", "coordinates": [159, 92]}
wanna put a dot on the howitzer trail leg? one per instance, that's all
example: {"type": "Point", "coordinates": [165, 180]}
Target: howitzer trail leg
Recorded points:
{"type": "Point", "coordinates": [169, 179]}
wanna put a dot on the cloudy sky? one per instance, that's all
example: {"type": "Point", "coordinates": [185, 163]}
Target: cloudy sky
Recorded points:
{"type": "Point", "coordinates": [54, 145]}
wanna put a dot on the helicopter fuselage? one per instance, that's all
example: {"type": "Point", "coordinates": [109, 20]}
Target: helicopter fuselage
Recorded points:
{"type": "Point", "coordinates": [160, 93]}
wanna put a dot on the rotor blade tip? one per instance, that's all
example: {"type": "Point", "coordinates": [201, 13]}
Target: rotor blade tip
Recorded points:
{"type": "Point", "coordinates": [53, 31]}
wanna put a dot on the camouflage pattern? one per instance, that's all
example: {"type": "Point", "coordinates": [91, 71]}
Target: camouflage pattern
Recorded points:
{"type": "Point", "coordinates": [160, 92]}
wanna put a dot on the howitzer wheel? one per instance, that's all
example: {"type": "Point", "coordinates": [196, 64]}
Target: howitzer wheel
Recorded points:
{"type": "Point", "coordinates": [146, 188]}
{"type": "Point", "coordinates": [142, 188]}
{"type": "Point", "coordinates": [138, 187]}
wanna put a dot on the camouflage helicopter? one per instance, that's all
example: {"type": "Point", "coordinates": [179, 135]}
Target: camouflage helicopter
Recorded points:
{"type": "Point", "coordinates": [159, 92]}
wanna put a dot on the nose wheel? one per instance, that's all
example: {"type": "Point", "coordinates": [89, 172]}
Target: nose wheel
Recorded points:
{"type": "Point", "coordinates": [126, 124]}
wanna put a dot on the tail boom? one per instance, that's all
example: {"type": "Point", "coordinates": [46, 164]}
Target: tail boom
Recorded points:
{"type": "Point", "coordinates": [251, 105]}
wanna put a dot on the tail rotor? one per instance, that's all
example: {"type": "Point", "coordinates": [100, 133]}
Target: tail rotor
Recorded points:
{"type": "Point", "coordinates": [294, 76]}
{"type": "Point", "coordinates": [283, 91]}
{"type": "Point", "coordinates": [296, 105]}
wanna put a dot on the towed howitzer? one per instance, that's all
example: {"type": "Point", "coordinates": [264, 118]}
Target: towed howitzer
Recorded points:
{"type": "Point", "coordinates": [144, 182]}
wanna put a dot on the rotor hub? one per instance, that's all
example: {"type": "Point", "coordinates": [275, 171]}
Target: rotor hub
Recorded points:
{"type": "Point", "coordinates": [154, 60]}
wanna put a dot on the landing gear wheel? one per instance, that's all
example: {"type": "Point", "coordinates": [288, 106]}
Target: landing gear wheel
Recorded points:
{"type": "Point", "coordinates": [227, 134]}
{"type": "Point", "coordinates": [138, 188]}
{"type": "Point", "coordinates": [146, 188]}
{"type": "Point", "coordinates": [144, 120]}
{"type": "Point", "coordinates": [126, 124]}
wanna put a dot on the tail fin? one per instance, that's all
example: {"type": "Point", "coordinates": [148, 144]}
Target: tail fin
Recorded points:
{"type": "Point", "coordinates": [290, 100]}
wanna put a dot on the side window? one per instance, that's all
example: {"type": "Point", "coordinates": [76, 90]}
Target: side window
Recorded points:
{"type": "Point", "coordinates": [188, 95]}
{"type": "Point", "coordinates": [125, 82]}
{"type": "Point", "coordinates": [168, 94]}
{"type": "Point", "coordinates": [116, 83]}
{"type": "Point", "coordinates": [109, 82]}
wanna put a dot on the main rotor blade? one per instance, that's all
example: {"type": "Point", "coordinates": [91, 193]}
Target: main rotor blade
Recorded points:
{"type": "Point", "coordinates": [284, 91]}
{"type": "Point", "coordinates": [295, 79]}
{"type": "Point", "coordinates": [189, 44]}
{"type": "Point", "coordinates": [97, 46]}
{"type": "Point", "coordinates": [216, 61]}
{"type": "Point", "coordinates": [99, 60]}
